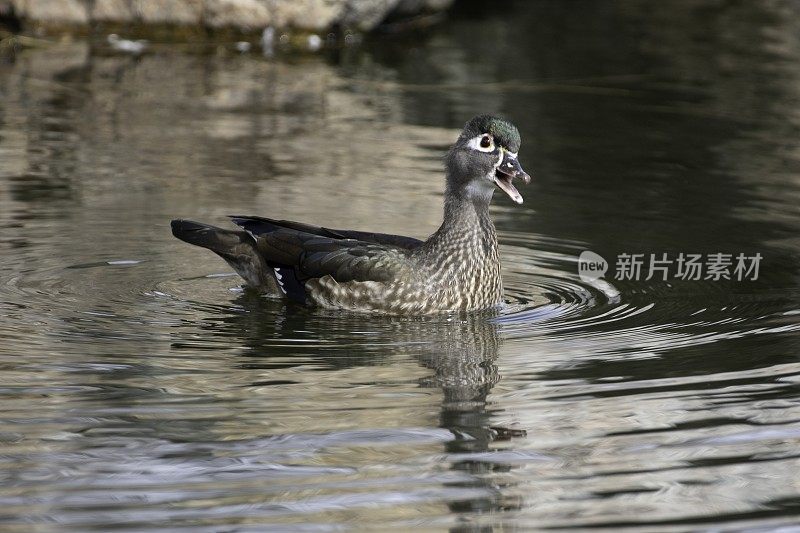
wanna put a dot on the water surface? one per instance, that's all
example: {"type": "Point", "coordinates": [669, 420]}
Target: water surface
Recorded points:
{"type": "Point", "coordinates": [143, 390]}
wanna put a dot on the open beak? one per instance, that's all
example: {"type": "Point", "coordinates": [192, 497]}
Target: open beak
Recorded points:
{"type": "Point", "coordinates": [506, 171]}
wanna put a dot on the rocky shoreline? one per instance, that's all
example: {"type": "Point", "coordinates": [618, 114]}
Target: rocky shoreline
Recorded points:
{"type": "Point", "coordinates": [238, 15]}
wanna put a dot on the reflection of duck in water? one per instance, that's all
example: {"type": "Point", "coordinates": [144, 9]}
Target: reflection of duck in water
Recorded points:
{"type": "Point", "coordinates": [460, 351]}
{"type": "Point", "coordinates": [339, 349]}
{"type": "Point", "coordinates": [457, 268]}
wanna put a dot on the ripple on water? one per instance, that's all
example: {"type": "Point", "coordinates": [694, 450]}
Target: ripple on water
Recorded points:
{"type": "Point", "coordinates": [192, 392]}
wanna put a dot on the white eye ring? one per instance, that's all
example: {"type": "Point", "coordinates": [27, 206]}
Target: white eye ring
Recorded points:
{"type": "Point", "coordinates": [475, 143]}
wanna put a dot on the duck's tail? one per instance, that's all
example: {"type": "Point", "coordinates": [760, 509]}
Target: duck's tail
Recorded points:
{"type": "Point", "coordinates": [221, 241]}
{"type": "Point", "coordinates": [236, 247]}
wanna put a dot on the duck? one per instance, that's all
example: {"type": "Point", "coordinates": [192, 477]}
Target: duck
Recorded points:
{"type": "Point", "coordinates": [456, 269]}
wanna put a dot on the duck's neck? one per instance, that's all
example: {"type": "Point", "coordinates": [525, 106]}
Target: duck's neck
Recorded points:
{"type": "Point", "coordinates": [466, 227]}
{"type": "Point", "coordinates": [461, 259]}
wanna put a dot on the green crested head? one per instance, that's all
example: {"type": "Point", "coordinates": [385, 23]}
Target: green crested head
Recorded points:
{"type": "Point", "coordinates": [505, 133]}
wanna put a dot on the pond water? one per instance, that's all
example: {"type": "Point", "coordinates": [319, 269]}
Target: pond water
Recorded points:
{"type": "Point", "coordinates": [142, 389]}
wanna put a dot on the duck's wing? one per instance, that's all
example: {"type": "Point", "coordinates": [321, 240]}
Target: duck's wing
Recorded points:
{"type": "Point", "coordinates": [260, 225]}
{"type": "Point", "coordinates": [298, 256]}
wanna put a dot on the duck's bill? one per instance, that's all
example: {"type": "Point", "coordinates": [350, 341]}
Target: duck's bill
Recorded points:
{"type": "Point", "coordinates": [504, 176]}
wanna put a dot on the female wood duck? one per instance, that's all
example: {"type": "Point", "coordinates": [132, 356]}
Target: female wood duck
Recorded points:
{"type": "Point", "coordinates": [455, 269]}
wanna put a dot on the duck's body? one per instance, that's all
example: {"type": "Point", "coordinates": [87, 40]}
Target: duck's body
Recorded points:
{"type": "Point", "coordinates": [455, 269]}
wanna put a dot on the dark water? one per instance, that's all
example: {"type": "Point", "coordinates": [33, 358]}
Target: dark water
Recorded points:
{"type": "Point", "coordinates": [143, 390]}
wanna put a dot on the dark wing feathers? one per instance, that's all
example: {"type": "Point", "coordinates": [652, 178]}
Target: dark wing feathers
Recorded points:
{"type": "Point", "coordinates": [259, 225]}
{"type": "Point", "coordinates": [324, 252]}
{"type": "Point", "coordinates": [281, 246]}
{"type": "Point", "coordinates": [397, 241]}
{"type": "Point", "coordinates": [352, 261]}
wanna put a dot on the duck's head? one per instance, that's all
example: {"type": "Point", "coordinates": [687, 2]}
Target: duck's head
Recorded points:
{"type": "Point", "coordinates": [485, 157]}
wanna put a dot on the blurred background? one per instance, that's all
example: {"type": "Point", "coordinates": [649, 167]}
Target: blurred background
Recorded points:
{"type": "Point", "coordinates": [142, 389]}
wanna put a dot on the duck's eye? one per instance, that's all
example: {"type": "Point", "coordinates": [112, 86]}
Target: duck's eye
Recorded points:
{"type": "Point", "coordinates": [482, 143]}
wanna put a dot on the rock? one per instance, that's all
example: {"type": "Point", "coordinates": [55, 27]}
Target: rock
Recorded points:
{"type": "Point", "coordinates": [55, 12]}
{"type": "Point", "coordinates": [365, 15]}
{"type": "Point", "coordinates": [179, 12]}
{"type": "Point", "coordinates": [242, 14]}
{"type": "Point", "coordinates": [111, 10]}
{"type": "Point", "coordinates": [314, 15]}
